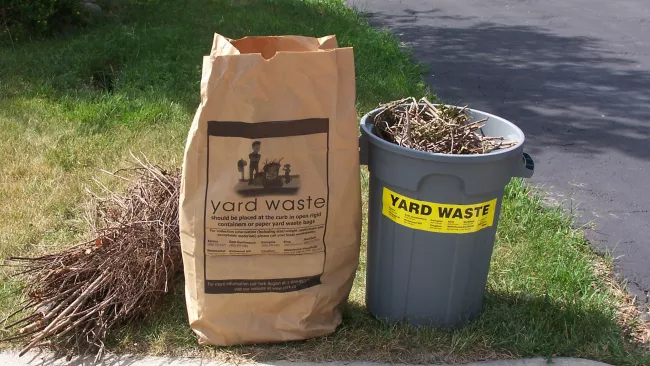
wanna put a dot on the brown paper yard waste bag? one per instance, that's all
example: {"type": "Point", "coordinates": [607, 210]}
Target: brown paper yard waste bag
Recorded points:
{"type": "Point", "coordinates": [270, 213]}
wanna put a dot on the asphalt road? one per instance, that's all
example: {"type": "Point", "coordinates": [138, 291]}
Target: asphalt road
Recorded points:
{"type": "Point", "coordinates": [575, 76]}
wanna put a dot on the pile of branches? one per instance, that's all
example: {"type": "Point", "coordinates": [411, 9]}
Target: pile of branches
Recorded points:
{"type": "Point", "coordinates": [75, 296]}
{"type": "Point", "coordinates": [434, 128]}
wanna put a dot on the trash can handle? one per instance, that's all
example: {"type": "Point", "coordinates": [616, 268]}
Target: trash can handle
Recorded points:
{"type": "Point", "coordinates": [363, 150]}
{"type": "Point", "coordinates": [527, 168]}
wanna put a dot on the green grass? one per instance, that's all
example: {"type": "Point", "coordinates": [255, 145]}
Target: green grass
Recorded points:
{"type": "Point", "coordinates": [72, 105]}
{"type": "Point", "coordinates": [548, 295]}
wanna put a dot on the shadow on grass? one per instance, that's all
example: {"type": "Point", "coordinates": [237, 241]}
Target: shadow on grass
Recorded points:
{"type": "Point", "coordinates": [150, 54]}
{"type": "Point", "coordinates": [510, 326]}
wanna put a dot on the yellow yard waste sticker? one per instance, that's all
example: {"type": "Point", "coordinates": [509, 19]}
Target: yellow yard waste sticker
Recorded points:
{"type": "Point", "coordinates": [438, 217]}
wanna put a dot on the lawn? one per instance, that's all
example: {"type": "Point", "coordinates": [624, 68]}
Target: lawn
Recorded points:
{"type": "Point", "coordinates": [75, 104]}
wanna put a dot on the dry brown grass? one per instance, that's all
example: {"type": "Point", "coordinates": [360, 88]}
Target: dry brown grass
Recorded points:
{"type": "Point", "coordinates": [630, 311]}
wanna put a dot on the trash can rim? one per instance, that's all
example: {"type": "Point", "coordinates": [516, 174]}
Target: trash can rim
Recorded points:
{"type": "Point", "coordinates": [366, 126]}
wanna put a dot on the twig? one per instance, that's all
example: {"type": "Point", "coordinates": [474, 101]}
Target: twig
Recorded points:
{"type": "Point", "coordinates": [424, 126]}
{"type": "Point", "coordinates": [77, 295]}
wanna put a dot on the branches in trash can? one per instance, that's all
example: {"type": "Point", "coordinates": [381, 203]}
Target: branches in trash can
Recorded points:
{"type": "Point", "coordinates": [423, 126]}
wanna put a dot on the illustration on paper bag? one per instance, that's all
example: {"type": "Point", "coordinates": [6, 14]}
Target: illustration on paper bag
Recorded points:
{"type": "Point", "coordinates": [274, 177]}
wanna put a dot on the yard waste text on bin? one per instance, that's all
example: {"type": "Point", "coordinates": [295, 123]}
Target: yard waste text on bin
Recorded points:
{"type": "Point", "coordinates": [437, 217]}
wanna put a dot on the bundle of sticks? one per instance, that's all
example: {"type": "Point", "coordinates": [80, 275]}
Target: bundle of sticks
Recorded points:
{"type": "Point", "coordinates": [73, 297]}
{"type": "Point", "coordinates": [434, 128]}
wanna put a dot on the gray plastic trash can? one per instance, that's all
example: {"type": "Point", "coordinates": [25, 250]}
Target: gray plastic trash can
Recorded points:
{"type": "Point", "coordinates": [432, 223]}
